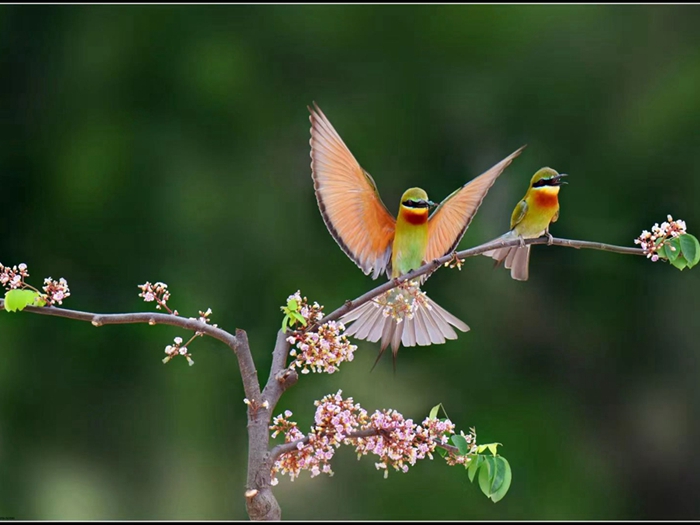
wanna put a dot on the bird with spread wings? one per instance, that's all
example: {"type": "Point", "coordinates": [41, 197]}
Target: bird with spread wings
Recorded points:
{"type": "Point", "coordinates": [378, 243]}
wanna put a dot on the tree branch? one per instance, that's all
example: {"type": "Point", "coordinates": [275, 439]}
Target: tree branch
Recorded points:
{"type": "Point", "coordinates": [238, 343]}
{"type": "Point", "coordinates": [281, 377]}
{"type": "Point", "coordinates": [464, 254]}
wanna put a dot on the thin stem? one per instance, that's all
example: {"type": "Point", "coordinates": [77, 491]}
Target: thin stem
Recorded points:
{"type": "Point", "coordinates": [27, 285]}
{"type": "Point", "coordinates": [189, 341]}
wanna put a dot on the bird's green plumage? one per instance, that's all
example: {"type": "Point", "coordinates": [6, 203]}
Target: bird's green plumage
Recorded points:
{"type": "Point", "coordinates": [543, 173]}
{"type": "Point", "coordinates": [411, 237]}
{"type": "Point", "coordinates": [540, 206]}
{"type": "Point", "coordinates": [518, 213]}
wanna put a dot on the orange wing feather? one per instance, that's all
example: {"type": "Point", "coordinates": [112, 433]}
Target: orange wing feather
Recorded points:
{"type": "Point", "coordinates": [348, 199]}
{"type": "Point", "coordinates": [451, 219]}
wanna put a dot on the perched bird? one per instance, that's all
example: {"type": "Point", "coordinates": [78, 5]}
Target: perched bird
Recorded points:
{"type": "Point", "coordinates": [363, 227]}
{"type": "Point", "coordinates": [531, 219]}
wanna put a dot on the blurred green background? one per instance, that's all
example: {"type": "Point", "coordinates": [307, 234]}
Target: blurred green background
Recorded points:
{"type": "Point", "coordinates": [172, 143]}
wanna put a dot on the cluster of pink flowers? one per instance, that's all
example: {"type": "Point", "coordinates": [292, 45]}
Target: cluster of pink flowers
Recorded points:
{"type": "Point", "coordinates": [156, 292]}
{"type": "Point", "coordinates": [650, 242]}
{"type": "Point", "coordinates": [396, 441]}
{"type": "Point", "coordinates": [312, 453]}
{"type": "Point", "coordinates": [13, 277]}
{"type": "Point", "coordinates": [322, 350]}
{"type": "Point", "coordinates": [56, 291]}
{"type": "Point", "coordinates": [403, 301]}
{"type": "Point", "coordinates": [400, 442]}
{"type": "Point", "coordinates": [159, 293]}
{"type": "Point", "coordinates": [178, 349]}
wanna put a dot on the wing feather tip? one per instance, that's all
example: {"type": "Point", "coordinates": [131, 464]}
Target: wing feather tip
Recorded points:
{"type": "Point", "coordinates": [322, 135]}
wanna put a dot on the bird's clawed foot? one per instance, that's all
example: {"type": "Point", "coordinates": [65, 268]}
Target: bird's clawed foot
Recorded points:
{"type": "Point", "coordinates": [522, 242]}
{"type": "Point", "coordinates": [550, 239]}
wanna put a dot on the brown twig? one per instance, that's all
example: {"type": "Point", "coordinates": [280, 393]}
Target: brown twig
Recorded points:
{"type": "Point", "coordinates": [238, 343]}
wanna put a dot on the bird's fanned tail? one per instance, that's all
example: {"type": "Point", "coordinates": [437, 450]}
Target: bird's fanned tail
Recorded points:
{"type": "Point", "coordinates": [402, 316]}
{"type": "Point", "coordinates": [515, 258]}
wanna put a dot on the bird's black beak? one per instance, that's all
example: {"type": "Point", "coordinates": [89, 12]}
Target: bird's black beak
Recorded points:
{"type": "Point", "coordinates": [431, 204]}
{"type": "Point", "coordinates": [556, 180]}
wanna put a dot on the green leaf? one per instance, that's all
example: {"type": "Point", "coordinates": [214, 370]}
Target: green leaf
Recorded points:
{"type": "Point", "coordinates": [442, 452]}
{"type": "Point", "coordinates": [672, 254]}
{"type": "Point", "coordinates": [474, 466]}
{"type": "Point", "coordinates": [661, 252]}
{"type": "Point", "coordinates": [297, 316]}
{"type": "Point", "coordinates": [461, 444]}
{"type": "Point", "coordinates": [434, 411]}
{"type": "Point", "coordinates": [493, 447]}
{"type": "Point", "coordinates": [489, 446]}
{"type": "Point", "coordinates": [497, 474]}
{"type": "Point", "coordinates": [18, 300]}
{"type": "Point", "coordinates": [507, 478]}
{"type": "Point", "coordinates": [485, 476]}
{"type": "Point", "coordinates": [284, 323]}
{"type": "Point", "coordinates": [293, 305]}
{"type": "Point", "coordinates": [680, 262]}
{"type": "Point", "coordinates": [690, 248]}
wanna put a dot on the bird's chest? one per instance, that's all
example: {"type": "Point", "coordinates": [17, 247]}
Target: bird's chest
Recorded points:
{"type": "Point", "coordinates": [542, 206]}
{"type": "Point", "coordinates": [410, 244]}
{"type": "Point", "coordinates": [546, 200]}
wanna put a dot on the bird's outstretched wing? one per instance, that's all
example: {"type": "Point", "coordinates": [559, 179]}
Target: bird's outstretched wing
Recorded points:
{"type": "Point", "coordinates": [348, 199]}
{"type": "Point", "coordinates": [450, 220]}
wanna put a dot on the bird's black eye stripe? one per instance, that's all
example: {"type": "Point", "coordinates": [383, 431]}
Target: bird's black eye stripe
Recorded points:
{"type": "Point", "coordinates": [410, 203]}
{"type": "Point", "coordinates": [543, 182]}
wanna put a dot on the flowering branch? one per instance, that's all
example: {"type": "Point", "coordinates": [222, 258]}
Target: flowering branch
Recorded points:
{"type": "Point", "coordinates": [284, 448]}
{"type": "Point", "coordinates": [238, 343]}
{"type": "Point", "coordinates": [472, 252]}
{"type": "Point", "coordinates": [397, 442]}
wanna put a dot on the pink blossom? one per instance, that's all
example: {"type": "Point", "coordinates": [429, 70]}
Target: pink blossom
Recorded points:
{"type": "Point", "coordinates": [397, 442]}
{"type": "Point", "coordinates": [56, 291]}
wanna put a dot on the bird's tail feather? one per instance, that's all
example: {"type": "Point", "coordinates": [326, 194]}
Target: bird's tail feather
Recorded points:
{"type": "Point", "coordinates": [515, 258]}
{"type": "Point", "coordinates": [386, 319]}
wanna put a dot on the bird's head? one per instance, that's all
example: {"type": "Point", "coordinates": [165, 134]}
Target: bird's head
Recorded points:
{"type": "Point", "coordinates": [416, 199]}
{"type": "Point", "coordinates": [547, 178]}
